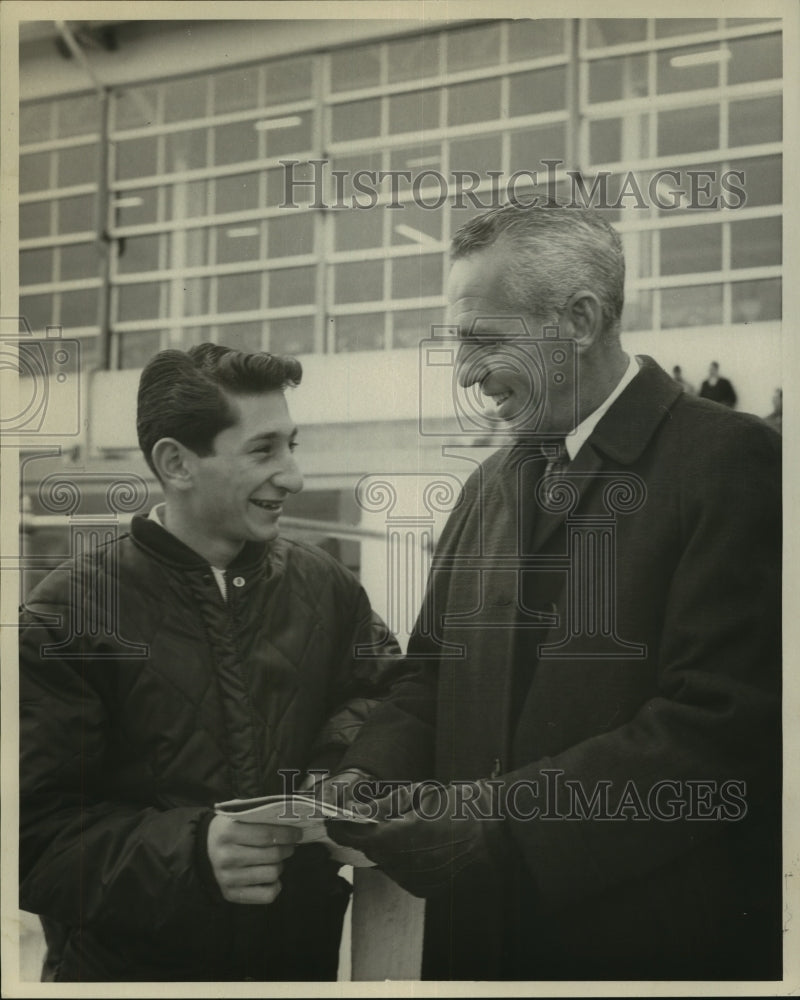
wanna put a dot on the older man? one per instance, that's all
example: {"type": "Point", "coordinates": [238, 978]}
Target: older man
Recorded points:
{"type": "Point", "coordinates": [596, 693]}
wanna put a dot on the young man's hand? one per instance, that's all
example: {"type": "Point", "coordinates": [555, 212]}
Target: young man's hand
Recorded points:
{"type": "Point", "coordinates": [247, 858]}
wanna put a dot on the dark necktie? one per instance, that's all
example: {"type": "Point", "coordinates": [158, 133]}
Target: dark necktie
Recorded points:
{"type": "Point", "coordinates": [557, 456]}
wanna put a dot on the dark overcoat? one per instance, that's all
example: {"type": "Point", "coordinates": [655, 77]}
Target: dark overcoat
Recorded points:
{"type": "Point", "coordinates": [609, 647]}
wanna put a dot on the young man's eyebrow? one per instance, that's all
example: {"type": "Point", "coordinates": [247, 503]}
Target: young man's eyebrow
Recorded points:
{"type": "Point", "coordinates": [269, 436]}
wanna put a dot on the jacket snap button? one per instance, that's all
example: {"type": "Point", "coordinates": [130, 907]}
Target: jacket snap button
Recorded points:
{"type": "Point", "coordinates": [238, 581]}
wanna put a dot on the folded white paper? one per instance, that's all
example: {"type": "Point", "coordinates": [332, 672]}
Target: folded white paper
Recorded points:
{"type": "Point", "coordinates": [304, 812]}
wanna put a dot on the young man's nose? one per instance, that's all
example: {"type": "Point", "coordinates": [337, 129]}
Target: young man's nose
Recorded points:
{"type": "Point", "coordinates": [289, 477]}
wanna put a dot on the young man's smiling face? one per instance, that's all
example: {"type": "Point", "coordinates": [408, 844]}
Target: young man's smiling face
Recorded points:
{"type": "Point", "coordinates": [238, 491]}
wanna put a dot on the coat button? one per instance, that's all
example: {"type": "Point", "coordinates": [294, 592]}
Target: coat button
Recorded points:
{"type": "Point", "coordinates": [238, 581]}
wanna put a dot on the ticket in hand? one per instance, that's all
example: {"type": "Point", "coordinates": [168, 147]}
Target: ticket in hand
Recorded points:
{"type": "Point", "coordinates": [302, 811]}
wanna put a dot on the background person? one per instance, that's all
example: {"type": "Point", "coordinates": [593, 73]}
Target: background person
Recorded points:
{"type": "Point", "coordinates": [718, 389]}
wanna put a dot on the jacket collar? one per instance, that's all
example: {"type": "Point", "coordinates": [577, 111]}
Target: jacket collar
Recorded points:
{"type": "Point", "coordinates": [163, 545]}
{"type": "Point", "coordinates": [624, 431]}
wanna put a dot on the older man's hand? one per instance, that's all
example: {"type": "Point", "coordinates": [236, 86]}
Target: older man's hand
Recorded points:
{"type": "Point", "coordinates": [429, 833]}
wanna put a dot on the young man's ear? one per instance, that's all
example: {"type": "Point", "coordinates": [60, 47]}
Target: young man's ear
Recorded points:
{"type": "Point", "coordinates": [584, 319]}
{"type": "Point", "coordinates": [173, 463]}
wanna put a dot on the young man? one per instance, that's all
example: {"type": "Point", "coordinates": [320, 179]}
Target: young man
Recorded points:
{"type": "Point", "coordinates": [598, 661]}
{"type": "Point", "coordinates": [219, 655]}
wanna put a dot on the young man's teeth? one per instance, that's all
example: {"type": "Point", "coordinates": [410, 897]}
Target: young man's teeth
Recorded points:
{"type": "Point", "coordinates": [267, 504]}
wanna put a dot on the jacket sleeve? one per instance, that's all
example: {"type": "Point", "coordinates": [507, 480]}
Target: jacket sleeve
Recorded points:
{"type": "Point", "coordinates": [715, 717]}
{"type": "Point", "coordinates": [85, 856]}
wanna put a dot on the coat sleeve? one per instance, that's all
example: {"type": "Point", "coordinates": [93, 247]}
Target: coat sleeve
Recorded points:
{"type": "Point", "coordinates": [85, 856]}
{"type": "Point", "coordinates": [368, 664]}
{"type": "Point", "coordinates": [715, 717]}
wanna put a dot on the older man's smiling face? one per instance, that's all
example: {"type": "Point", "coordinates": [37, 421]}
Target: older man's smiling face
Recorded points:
{"type": "Point", "coordinates": [501, 349]}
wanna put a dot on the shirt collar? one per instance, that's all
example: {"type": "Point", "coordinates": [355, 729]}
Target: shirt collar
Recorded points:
{"type": "Point", "coordinates": [576, 440]}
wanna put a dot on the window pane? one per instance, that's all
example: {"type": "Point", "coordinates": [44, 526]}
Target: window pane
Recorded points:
{"type": "Point", "coordinates": [762, 180]}
{"type": "Point", "coordinates": [238, 292]}
{"type": "Point", "coordinates": [136, 349]}
{"type": "Point", "coordinates": [691, 188]}
{"type": "Point", "coordinates": [134, 107]}
{"type": "Point", "coordinates": [35, 122]}
{"type": "Point", "coordinates": [360, 333]}
{"type": "Point", "coordinates": [78, 165]}
{"type": "Point", "coordinates": [90, 353]}
{"type": "Point", "coordinates": [185, 150]}
{"type": "Point", "coordinates": [248, 337]}
{"type": "Point", "coordinates": [358, 120]}
{"type": "Point", "coordinates": [666, 27]}
{"type": "Point", "coordinates": [615, 31]}
{"type": "Point", "coordinates": [638, 249]}
{"type": "Point", "coordinates": [414, 58]}
{"type": "Point", "coordinates": [473, 47]}
{"type": "Point", "coordinates": [361, 281]}
{"type": "Point", "coordinates": [617, 79]}
{"type": "Point", "coordinates": [605, 141]}
{"type": "Point", "coordinates": [298, 185]}
{"type": "Point", "coordinates": [292, 286]}
{"type": "Point", "coordinates": [414, 224]}
{"type": "Point", "coordinates": [688, 130]}
{"type": "Point", "coordinates": [755, 59]}
{"type": "Point", "coordinates": [340, 190]}
{"type": "Point", "coordinates": [237, 193]}
{"type": "Point", "coordinates": [36, 267]}
{"type": "Point", "coordinates": [756, 243]}
{"type": "Point", "coordinates": [530, 39]}
{"type": "Point", "coordinates": [34, 220]}
{"type": "Point", "coordinates": [135, 208]}
{"type": "Point", "coordinates": [354, 68]}
{"type": "Point", "coordinates": [674, 76]}
{"type": "Point", "coordinates": [139, 301]}
{"type": "Point", "coordinates": [539, 90]}
{"type": "Point", "coordinates": [79, 308]}
{"type": "Point", "coordinates": [415, 277]}
{"type": "Point", "coordinates": [80, 260]}
{"type": "Point", "coordinates": [357, 229]}
{"type": "Point", "coordinates": [474, 102]}
{"type": "Point", "coordinates": [288, 80]}
{"type": "Point", "coordinates": [638, 311]}
{"type": "Point", "coordinates": [196, 296]}
{"type": "Point", "coordinates": [418, 157]}
{"type": "Point", "coordinates": [34, 172]}
{"type": "Point", "coordinates": [690, 249]}
{"type": "Point", "coordinates": [293, 335]}
{"type": "Point", "coordinates": [694, 305]}
{"type": "Point", "coordinates": [414, 111]}
{"type": "Point", "coordinates": [185, 99]}
{"type": "Point", "coordinates": [531, 145]}
{"type": "Point", "coordinates": [477, 155]}
{"type": "Point", "coordinates": [136, 157]}
{"type": "Point", "coordinates": [755, 121]}
{"type": "Point", "coordinates": [78, 116]}
{"type": "Point", "coordinates": [189, 248]}
{"type": "Point", "coordinates": [411, 326]}
{"type": "Point", "coordinates": [238, 242]}
{"type": "Point", "coordinates": [235, 91]}
{"type": "Point", "coordinates": [290, 235]}
{"type": "Point", "coordinates": [38, 310]}
{"type": "Point", "coordinates": [235, 142]}
{"type": "Point", "coordinates": [286, 134]}
{"type": "Point", "coordinates": [756, 301]}
{"type": "Point", "coordinates": [76, 215]}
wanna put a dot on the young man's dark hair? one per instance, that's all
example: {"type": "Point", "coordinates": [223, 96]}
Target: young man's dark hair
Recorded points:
{"type": "Point", "coordinates": [184, 395]}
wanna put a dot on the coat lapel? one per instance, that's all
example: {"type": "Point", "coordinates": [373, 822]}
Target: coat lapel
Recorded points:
{"type": "Point", "coordinates": [619, 439]}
